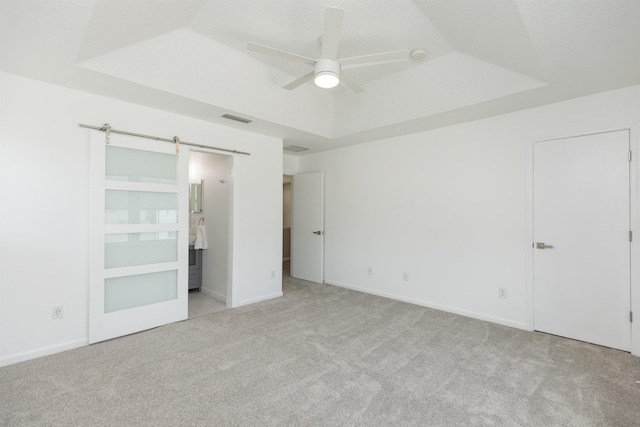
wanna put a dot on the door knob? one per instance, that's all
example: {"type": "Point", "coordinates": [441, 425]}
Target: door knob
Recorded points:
{"type": "Point", "coordinates": [319, 233]}
{"type": "Point", "coordinates": [541, 245]}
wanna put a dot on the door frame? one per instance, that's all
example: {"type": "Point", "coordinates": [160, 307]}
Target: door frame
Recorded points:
{"type": "Point", "coordinates": [634, 204]}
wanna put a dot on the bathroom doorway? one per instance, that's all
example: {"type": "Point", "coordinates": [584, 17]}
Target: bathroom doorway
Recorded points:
{"type": "Point", "coordinates": [209, 221]}
{"type": "Point", "coordinates": [286, 225]}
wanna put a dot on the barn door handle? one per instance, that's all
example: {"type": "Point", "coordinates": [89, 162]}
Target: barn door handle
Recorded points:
{"type": "Point", "coordinates": [319, 233]}
{"type": "Point", "coordinates": [541, 245]}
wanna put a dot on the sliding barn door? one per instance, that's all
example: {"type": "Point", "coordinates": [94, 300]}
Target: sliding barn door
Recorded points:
{"type": "Point", "coordinates": [138, 235]}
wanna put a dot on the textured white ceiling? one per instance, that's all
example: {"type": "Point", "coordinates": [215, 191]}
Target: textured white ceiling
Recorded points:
{"type": "Point", "coordinates": [189, 56]}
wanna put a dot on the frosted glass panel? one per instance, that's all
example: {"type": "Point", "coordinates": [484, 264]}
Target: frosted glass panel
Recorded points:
{"type": "Point", "coordinates": [127, 164]}
{"type": "Point", "coordinates": [140, 207]}
{"type": "Point", "coordinates": [125, 250]}
{"type": "Point", "coordinates": [121, 293]}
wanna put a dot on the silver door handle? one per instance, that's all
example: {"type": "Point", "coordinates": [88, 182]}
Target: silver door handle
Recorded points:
{"type": "Point", "coordinates": [541, 245]}
{"type": "Point", "coordinates": [319, 233]}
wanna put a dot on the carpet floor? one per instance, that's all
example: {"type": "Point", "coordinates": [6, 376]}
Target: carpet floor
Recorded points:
{"type": "Point", "coordinates": [326, 356]}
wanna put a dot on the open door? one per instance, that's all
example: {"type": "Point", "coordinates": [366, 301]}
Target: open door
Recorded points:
{"type": "Point", "coordinates": [307, 230]}
{"type": "Point", "coordinates": [138, 236]}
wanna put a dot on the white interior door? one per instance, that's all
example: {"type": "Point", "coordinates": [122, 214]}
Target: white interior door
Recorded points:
{"type": "Point", "coordinates": [581, 208]}
{"type": "Point", "coordinates": [307, 229]}
{"type": "Point", "coordinates": [138, 235]}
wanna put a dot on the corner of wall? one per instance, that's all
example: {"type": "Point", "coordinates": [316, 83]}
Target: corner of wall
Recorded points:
{"type": "Point", "coordinates": [290, 164]}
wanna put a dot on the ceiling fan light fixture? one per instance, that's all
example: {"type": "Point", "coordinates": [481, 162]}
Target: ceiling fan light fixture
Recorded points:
{"type": "Point", "coordinates": [326, 79]}
{"type": "Point", "coordinates": [327, 72]}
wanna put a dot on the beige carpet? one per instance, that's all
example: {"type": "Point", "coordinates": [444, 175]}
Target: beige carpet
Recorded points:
{"type": "Point", "coordinates": [201, 304]}
{"type": "Point", "coordinates": [327, 356]}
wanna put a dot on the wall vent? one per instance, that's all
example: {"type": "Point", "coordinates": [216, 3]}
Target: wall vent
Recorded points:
{"type": "Point", "coordinates": [295, 148]}
{"type": "Point", "coordinates": [236, 118]}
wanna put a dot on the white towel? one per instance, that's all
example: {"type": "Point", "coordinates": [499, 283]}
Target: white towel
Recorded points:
{"type": "Point", "coordinates": [201, 238]}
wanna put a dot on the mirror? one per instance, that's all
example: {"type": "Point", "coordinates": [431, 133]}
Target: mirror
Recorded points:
{"type": "Point", "coordinates": [195, 196]}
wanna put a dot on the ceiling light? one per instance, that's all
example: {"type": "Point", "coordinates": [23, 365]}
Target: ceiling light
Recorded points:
{"type": "Point", "coordinates": [326, 73]}
{"type": "Point", "coordinates": [326, 79]}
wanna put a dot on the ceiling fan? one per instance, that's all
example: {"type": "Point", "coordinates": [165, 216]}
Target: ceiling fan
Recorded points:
{"type": "Point", "coordinates": [327, 72]}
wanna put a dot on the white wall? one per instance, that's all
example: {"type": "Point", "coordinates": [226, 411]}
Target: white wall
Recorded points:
{"type": "Point", "coordinates": [448, 207]}
{"type": "Point", "coordinates": [211, 168]}
{"type": "Point", "coordinates": [45, 200]}
{"type": "Point", "coordinates": [289, 164]}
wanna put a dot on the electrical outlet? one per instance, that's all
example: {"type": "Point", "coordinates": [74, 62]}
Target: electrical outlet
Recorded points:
{"type": "Point", "coordinates": [405, 277]}
{"type": "Point", "coordinates": [273, 274]}
{"type": "Point", "coordinates": [57, 312]}
{"type": "Point", "coordinates": [369, 270]}
{"type": "Point", "coordinates": [502, 293]}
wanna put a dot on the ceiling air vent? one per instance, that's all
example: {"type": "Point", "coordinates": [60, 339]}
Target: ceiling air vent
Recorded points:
{"type": "Point", "coordinates": [295, 148]}
{"type": "Point", "coordinates": [236, 118]}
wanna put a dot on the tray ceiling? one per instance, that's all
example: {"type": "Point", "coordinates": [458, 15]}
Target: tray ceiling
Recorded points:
{"type": "Point", "coordinates": [484, 57]}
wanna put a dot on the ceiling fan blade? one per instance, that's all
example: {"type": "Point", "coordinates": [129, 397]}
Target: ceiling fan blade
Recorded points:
{"type": "Point", "coordinates": [376, 58]}
{"type": "Point", "coordinates": [300, 80]}
{"type": "Point", "coordinates": [333, 18]}
{"type": "Point", "coordinates": [280, 53]}
{"type": "Point", "coordinates": [348, 82]}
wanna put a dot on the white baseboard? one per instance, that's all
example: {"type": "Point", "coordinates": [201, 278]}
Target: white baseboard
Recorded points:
{"type": "Point", "coordinates": [258, 299]}
{"type": "Point", "coordinates": [213, 294]}
{"type": "Point", "coordinates": [479, 316]}
{"type": "Point", "coordinates": [43, 351]}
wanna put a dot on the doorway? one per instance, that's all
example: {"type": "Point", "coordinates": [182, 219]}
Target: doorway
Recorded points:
{"type": "Point", "coordinates": [209, 177]}
{"type": "Point", "coordinates": [581, 237]}
{"type": "Point", "coordinates": [286, 225]}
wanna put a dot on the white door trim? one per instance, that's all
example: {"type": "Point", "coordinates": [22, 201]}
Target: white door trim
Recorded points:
{"type": "Point", "coordinates": [634, 200]}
